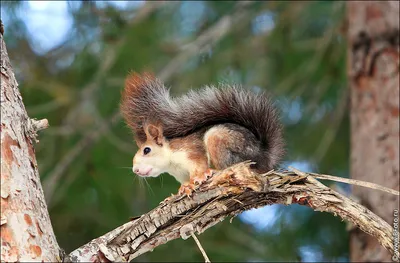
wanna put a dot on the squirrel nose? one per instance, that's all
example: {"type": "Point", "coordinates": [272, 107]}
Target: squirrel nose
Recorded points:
{"type": "Point", "coordinates": [136, 170]}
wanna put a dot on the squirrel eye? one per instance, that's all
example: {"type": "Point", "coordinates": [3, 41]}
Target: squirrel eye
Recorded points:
{"type": "Point", "coordinates": [146, 150]}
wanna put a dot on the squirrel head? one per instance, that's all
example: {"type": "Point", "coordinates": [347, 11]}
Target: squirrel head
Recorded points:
{"type": "Point", "coordinates": [151, 159]}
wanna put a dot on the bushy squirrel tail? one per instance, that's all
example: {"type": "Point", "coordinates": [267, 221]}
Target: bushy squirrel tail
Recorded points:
{"type": "Point", "coordinates": [145, 99]}
{"type": "Point", "coordinates": [142, 100]}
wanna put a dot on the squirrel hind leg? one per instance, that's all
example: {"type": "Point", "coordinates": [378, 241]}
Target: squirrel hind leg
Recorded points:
{"type": "Point", "coordinates": [228, 144]}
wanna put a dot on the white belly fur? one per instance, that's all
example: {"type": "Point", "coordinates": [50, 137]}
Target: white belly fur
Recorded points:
{"type": "Point", "coordinates": [180, 166]}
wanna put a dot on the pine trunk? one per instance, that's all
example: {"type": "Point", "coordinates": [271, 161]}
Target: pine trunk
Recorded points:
{"type": "Point", "coordinates": [26, 231]}
{"type": "Point", "coordinates": [373, 53]}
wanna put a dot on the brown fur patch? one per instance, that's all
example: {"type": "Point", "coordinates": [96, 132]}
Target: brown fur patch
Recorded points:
{"type": "Point", "coordinates": [217, 141]}
{"type": "Point", "coordinates": [194, 146]}
{"type": "Point", "coordinates": [135, 80]}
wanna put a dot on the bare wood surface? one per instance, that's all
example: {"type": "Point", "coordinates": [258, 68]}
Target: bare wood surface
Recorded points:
{"type": "Point", "coordinates": [26, 230]}
{"type": "Point", "coordinates": [227, 194]}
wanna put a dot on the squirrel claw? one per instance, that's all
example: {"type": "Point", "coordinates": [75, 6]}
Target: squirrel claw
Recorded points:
{"type": "Point", "coordinates": [198, 180]}
{"type": "Point", "coordinates": [209, 172]}
{"type": "Point", "coordinates": [187, 189]}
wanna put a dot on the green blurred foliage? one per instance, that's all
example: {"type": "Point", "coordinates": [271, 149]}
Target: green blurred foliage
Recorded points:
{"type": "Point", "coordinates": [295, 50]}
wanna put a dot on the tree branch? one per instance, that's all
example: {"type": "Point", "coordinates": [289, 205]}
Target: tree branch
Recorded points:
{"type": "Point", "coordinates": [227, 194]}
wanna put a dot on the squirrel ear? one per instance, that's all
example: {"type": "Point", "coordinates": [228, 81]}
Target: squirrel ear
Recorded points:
{"type": "Point", "coordinates": [154, 133]}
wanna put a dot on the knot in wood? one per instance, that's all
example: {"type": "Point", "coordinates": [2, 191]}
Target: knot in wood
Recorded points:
{"type": "Point", "coordinates": [186, 231]}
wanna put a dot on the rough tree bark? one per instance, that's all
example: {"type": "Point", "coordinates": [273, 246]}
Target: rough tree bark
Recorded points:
{"type": "Point", "coordinates": [373, 53]}
{"type": "Point", "coordinates": [26, 230]}
{"type": "Point", "coordinates": [227, 194]}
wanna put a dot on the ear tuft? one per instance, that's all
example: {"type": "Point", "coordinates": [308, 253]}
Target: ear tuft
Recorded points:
{"type": "Point", "coordinates": [135, 81]}
{"type": "Point", "coordinates": [136, 85]}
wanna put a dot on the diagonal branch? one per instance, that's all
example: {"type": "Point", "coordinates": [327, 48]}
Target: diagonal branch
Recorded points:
{"type": "Point", "coordinates": [227, 194]}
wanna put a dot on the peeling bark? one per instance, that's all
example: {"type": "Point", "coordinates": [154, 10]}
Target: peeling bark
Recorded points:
{"type": "Point", "coordinates": [26, 230]}
{"type": "Point", "coordinates": [227, 194]}
{"type": "Point", "coordinates": [374, 82]}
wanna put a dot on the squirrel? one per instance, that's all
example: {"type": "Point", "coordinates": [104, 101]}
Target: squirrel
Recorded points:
{"type": "Point", "coordinates": [187, 136]}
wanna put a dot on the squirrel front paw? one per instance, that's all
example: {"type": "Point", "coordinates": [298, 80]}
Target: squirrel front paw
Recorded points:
{"type": "Point", "coordinates": [188, 187]}
{"type": "Point", "coordinates": [199, 179]}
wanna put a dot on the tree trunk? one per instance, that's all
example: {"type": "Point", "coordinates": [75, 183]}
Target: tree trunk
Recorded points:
{"type": "Point", "coordinates": [373, 53]}
{"type": "Point", "coordinates": [26, 231]}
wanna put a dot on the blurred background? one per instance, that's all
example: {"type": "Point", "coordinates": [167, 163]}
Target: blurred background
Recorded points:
{"type": "Point", "coordinates": [71, 57]}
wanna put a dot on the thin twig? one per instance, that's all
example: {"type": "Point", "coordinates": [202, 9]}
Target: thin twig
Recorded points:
{"type": "Point", "coordinates": [206, 259]}
{"type": "Point", "coordinates": [348, 181]}
{"type": "Point", "coordinates": [356, 182]}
